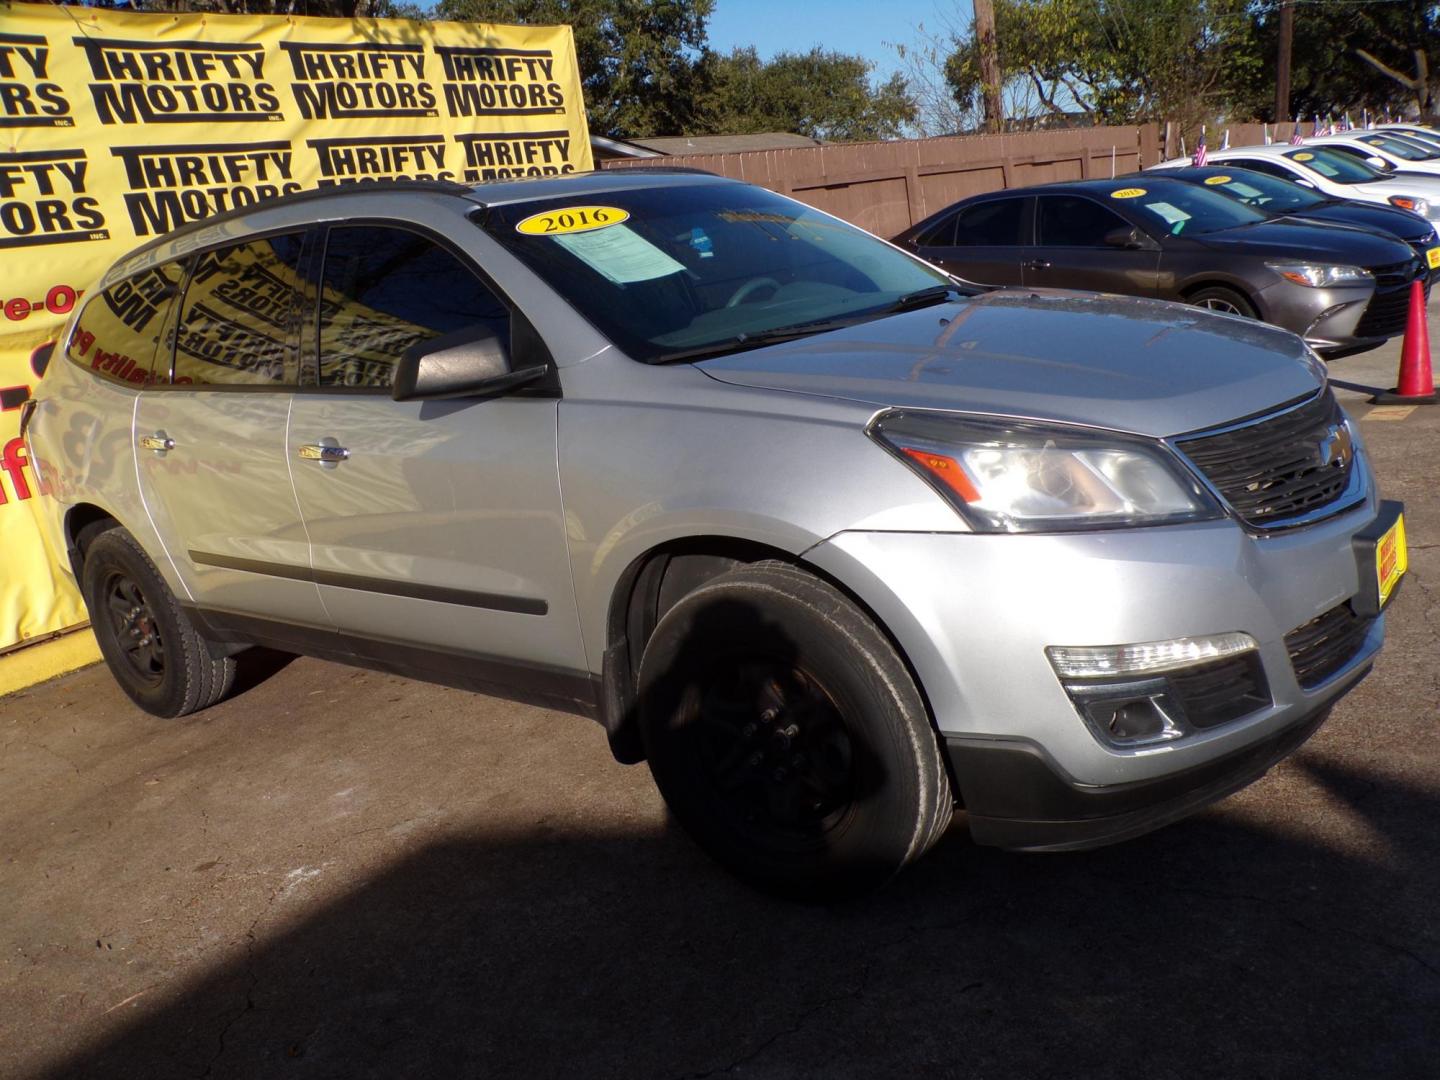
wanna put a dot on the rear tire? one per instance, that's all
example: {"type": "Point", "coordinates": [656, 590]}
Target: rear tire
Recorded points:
{"type": "Point", "coordinates": [787, 736]}
{"type": "Point", "coordinates": [151, 646]}
{"type": "Point", "coordinates": [1227, 301]}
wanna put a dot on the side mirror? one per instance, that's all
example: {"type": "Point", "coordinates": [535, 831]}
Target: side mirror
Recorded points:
{"type": "Point", "coordinates": [472, 362]}
{"type": "Point", "coordinates": [1126, 237]}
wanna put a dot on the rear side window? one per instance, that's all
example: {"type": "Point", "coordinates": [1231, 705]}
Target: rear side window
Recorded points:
{"type": "Point", "coordinates": [994, 224]}
{"type": "Point", "coordinates": [941, 234]}
{"type": "Point", "coordinates": [385, 289]}
{"type": "Point", "coordinates": [1269, 168]}
{"type": "Point", "coordinates": [118, 329]}
{"type": "Point", "coordinates": [1069, 221]}
{"type": "Point", "coordinates": [237, 324]}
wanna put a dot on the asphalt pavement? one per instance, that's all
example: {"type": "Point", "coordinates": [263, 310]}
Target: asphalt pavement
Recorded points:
{"type": "Point", "coordinates": [336, 873]}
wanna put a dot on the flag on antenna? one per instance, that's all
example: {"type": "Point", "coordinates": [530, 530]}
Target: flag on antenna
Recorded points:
{"type": "Point", "coordinates": [1225, 142]}
{"type": "Point", "coordinates": [1199, 156]}
{"type": "Point", "coordinates": [1295, 137]}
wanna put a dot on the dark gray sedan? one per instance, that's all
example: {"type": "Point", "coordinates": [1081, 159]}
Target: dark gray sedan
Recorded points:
{"type": "Point", "coordinates": [1342, 289]}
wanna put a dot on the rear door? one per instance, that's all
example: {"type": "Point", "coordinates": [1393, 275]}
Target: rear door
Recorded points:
{"type": "Point", "coordinates": [210, 437]}
{"type": "Point", "coordinates": [1070, 250]}
{"type": "Point", "coordinates": [981, 242]}
{"type": "Point", "coordinates": [437, 536]}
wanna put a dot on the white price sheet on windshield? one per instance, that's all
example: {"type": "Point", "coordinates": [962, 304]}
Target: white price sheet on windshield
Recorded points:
{"type": "Point", "coordinates": [620, 253]}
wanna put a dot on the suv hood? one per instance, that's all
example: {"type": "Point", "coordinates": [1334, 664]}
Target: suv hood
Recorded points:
{"type": "Point", "coordinates": [1307, 241]}
{"type": "Point", "coordinates": [1142, 366]}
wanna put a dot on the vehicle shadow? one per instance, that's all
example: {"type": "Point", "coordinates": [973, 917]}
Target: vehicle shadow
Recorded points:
{"type": "Point", "coordinates": [1212, 948]}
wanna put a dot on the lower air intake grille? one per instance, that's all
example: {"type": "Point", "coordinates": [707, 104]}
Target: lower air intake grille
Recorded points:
{"type": "Point", "coordinates": [1225, 690]}
{"type": "Point", "coordinates": [1326, 644]}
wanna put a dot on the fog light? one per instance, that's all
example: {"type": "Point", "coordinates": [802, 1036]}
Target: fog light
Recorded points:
{"type": "Point", "coordinates": [1134, 695]}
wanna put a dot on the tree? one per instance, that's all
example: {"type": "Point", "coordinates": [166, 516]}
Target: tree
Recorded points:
{"type": "Point", "coordinates": [820, 93]}
{"type": "Point", "coordinates": [1113, 61]}
{"type": "Point", "coordinates": [639, 59]}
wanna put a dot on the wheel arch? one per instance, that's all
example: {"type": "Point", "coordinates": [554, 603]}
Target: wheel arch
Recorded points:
{"type": "Point", "coordinates": [77, 521]}
{"type": "Point", "coordinates": [1220, 281]}
{"type": "Point", "coordinates": [654, 581]}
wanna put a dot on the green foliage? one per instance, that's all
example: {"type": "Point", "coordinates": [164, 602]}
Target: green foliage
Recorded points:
{"type": "Point", "coordinates": [1117, 61]}
{"type": "Point", "coordinates": [640, 60]}
{"type": "Point", "coordinates": [1327, 72]}
{"type": "Point", "coordinates": [823, 94]}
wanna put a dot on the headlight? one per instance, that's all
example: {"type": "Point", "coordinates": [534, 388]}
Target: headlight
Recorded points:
{"type": "Point", "coordinates": [1320, 275]}
{"type": "Point", "coordinates": [1016, 476]}
{"type": "Point", "coordinates": [1412, 203]}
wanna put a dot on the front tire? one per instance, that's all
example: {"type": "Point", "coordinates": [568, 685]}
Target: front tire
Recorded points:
{"type": "Point", "coordinates": [787, 736]}
{"type": "Point", "coordinates": [149, 643]}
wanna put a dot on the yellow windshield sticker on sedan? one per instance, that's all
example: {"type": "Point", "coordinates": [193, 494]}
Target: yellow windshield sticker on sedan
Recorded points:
{"type": "Point", "coordinates": [1303, 157]}
{"type": "Point", "coordinates": [1213, 180]}
{"type": "Point", "coordinates": [572, 219]}
{"type": "Point", "coordinates": [1128, 193]}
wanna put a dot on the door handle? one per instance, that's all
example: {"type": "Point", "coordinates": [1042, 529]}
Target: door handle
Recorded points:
{"type": "Point", "coordinates": [326, 455]}
{"type": "Point", "coordinates": [1037, 264]}
{"type": "Point", "coordinates": [159, 442]}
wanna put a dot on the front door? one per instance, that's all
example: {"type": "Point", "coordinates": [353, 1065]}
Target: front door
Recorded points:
{"type": "Point", "coordinates": [438, 540]}
{"type": "Point", "coordinates": [1071, 253]}
{"type": "Point", "coordinates": [211, 444]}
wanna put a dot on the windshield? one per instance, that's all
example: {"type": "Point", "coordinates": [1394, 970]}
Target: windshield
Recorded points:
{"type": "Point", "coordinates": [1181, 209]}
{"type": "Point", "coordinates": [1337, 168]}
{"type": "Point", "coordinates": [1401, 147]}
{"type": "Point", "coordinates": [671, 272]}
{"type": "Point", "coordinates": [1263, 192]}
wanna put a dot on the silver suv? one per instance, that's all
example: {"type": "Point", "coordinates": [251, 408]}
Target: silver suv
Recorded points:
{"type": "Point", "coordinates": [833, 545]}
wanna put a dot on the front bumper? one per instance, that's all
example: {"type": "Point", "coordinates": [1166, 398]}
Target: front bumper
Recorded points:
{"type": "Point", "coordinates": [1016, 799]}
{"type": "Point", "coordinates": [1328, 319]}
{"type": "Point", "coordinates": [974, 613]}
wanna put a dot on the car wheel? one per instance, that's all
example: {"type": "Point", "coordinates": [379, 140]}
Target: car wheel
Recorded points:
{"type": "Point", "coordinates": [1228, 301]}
{"type": "Point", "coordinates": [149, 643]}
{"type": "Point", "coordinates": [787, 736]}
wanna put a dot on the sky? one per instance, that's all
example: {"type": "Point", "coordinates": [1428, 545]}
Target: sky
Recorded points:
{"type": "Point", "coordinates": [848, 26]}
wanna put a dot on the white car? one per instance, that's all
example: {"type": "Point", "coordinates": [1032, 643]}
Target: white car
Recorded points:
{"type": "Point", "coordinates": [1387, 150]}
{"type": "Point", "coordinates": [1340, 176]}
{"type": "Point", "coordinates": [1410, 131]}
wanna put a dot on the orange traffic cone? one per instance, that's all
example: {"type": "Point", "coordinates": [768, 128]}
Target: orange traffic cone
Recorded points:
{"type": "Point", "coordinates": [1416, 384]}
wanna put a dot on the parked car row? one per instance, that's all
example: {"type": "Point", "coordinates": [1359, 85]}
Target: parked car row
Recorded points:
{"type": "Point", "coordinates": [1262, 243]}
{"type": "Point", "coordinates": [835, 545]}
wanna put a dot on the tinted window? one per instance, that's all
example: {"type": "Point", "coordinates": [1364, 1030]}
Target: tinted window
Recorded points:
{"type": "Point", "coordinates": [1070, 221]}
{"type": "Point", "coordinates": [993, 223]}
{"type": "Point", "coordinates": [1269, 168]}
{"type": "Point", "coordinates": [941, 234]}
{"type": "Point", "coordinates": [386, 289]}
{"type": "Point", "coordinates": [1184, 209]}
{"type": "Point", "coordinates": [237, 325]}
{"type": "Point", "coordinates": [1264, 192]}
{"type": "Point", "coordinates": [1401, 147]}
{"type": "Point", "coordinates": [118, 329]}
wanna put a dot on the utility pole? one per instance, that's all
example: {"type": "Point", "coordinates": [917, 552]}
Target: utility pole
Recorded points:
{"type": "Point", "coordinates": [989, 64]}
{"type": "Point", "coordinates": [1282, 66]}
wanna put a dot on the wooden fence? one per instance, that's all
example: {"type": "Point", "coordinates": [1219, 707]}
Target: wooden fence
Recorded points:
{"type": "Point", "coordinates": [886, 187]}
{"type": "Point", "coordinates": [1240, 135]}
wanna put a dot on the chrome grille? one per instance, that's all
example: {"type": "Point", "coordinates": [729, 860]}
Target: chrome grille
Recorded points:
{"type": "Point", "coordinates": [1273, 470]}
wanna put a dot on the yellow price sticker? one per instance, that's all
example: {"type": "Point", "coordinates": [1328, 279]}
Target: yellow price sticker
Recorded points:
{"type": "Point", "coordinates": [572, 219]}
{"type": "Point", "coordinates": [1433, 258]}
{"type": "Point", "coordinates": [1213, 180]}
{"type": "Point", "coordinates": [1128, 193]}
{"type": "Point", "coordinates": [1303, 157]}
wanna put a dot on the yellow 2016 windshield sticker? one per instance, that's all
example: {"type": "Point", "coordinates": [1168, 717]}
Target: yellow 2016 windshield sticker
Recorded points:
{"type": "Point", "coordinates": [1212, 180]}
{"type": "Point", "coordinates": [1303, 157]}
{"type": "Point", "coordinates": [1128, 193]}
{"type": "Point", "coordinates": [572, 219]}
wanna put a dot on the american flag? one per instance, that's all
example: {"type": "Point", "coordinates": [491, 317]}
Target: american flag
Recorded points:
{"type": "Point", "coordinates": [1198, 158]}
{"type": "Point", "coordinates": [1296, 138]}
{"type": "Point", "coordinates": [1315, 131]}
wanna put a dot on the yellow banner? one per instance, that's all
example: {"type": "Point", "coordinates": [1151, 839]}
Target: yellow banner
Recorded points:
{"type": "Point", "coordinates": [116, 127]}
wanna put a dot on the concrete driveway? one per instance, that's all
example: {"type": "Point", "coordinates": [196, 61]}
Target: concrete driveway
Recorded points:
{"type": "Point", "coordinates": [342, 874]}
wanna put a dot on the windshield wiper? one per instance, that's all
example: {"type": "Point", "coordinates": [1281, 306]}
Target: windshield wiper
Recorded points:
{"type": "Point", "coordinates": [741, 342]}
{"type": "Point", "coordinates": [936, 294]}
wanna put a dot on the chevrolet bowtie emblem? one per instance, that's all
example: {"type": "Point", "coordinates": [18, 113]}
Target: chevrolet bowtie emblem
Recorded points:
{"type": "Point", "coordinates": [1337, 447]}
